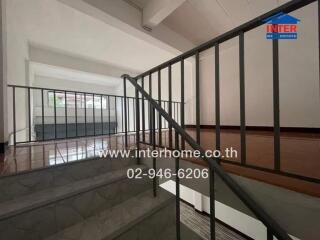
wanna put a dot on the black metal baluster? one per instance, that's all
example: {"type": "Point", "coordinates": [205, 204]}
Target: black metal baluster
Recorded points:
{"type": "Point", "coordinates": [29, 112]}
{"type": "Point", "coordinates": [154, 163]}
{"type": "Point", "coordinates": [42, 113]}
{"type": "Point", "coordinates": [122, 117]}
{"type": "Point", "coordinates": [116, 114]}
{"type": "Point", "coordinates": [170, 104]}
{"type": "Point", "coordinates": [198, 98]}
{"type": "Point", "coordinates": [128, 104]}
{"type": "Point", "coordinates": [150, 114]}
{"type": "Point", "coordinates": [177, 187]}
{"type": "Point", "coordinates": [134, 114]}
{"type": "Point", "coordinates": [76, 112]}
{"type": "Point", "coordinates": [212, 205]}
{"type": "Point", "coordinates": [94, 114]}
{"type": "Point", "coordinates": [55, 114]}
{"type": "Point", "coordinates": [137, 125]}
{"type": "Point", "coordinates": [159, 115]}
{"type": "Point", "coordinates": [125, 111]}
{"type": "Point", "coordinates": [85, 114]}
{"type": "Point", "coordinates": [143, 114]}
{"type": "Point", "coordinates": [242, 99]}
{"type": "Point", "coordinates": [66, 112]}
{"type": "Point", "coordinates": [217, 96]}
{"type": "Point", "coordinates": [269, 234]}
{"type": "Point", "coordinates": [101, 114]}
{"type": "Point", "coordinates": [182, 102]}
{"type": "Point", "coordinates": [14, 116]}
{"type": "Point", "coordinates": [276, 107]}
{"type": "Point", "coordinates": [109, 117]}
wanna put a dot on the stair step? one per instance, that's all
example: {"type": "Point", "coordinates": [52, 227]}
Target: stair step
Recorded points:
{"type": "Point", "coordinates": [115, 221]}
{"type": "Point", "coordinates": [15, 186]}
{"type": "Point", "coordinates": [45, 197]}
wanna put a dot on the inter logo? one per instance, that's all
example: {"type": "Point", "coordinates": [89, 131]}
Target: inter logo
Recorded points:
{"type": "Point", "coordinates": [282, 26]}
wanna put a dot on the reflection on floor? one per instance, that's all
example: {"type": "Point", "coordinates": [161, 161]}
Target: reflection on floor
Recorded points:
{"type": "Point", "coordinates": [39, 155]}
{"type": "Point", "coordinates": [300, 155]}
{"type": "Point", "coordinates": [200, 224]}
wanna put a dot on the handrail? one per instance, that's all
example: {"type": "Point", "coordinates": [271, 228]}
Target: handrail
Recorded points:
{"type": "Point", "coordinates": [286, 8]}
{"type": "Point", "coordinates": [265, 218]}
{"type": "Point", "coordinates": [80, 92]}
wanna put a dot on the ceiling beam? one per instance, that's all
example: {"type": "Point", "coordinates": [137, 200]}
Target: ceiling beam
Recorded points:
{"type": "Point", "coordinates": [156, 11]}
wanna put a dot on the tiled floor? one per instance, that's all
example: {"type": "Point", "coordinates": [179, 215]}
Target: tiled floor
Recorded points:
{"type": "Point", "coordinates": [300, 154]}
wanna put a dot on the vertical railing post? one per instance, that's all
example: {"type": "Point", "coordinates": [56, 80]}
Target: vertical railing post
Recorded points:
{"type": "Point", "coordinates": [116, 114]}
{"type": "Point", "coordinates": [269, 235]}
{"type": "Point", "coordinates": [76, 113]}
{"type": "Point", "coordinates": [176, 138]}
{"type": "Point", "coordinates": [85, 114]}
{"type": "Point", "coordinates": [29, 112]}
{"type": "Point", "coordinates": [66, 112]}
{"type": "Point", "coordinates": [217, 96]}
{"type": "Point", "coordinates": [101, 112]}
{"type": "Point", "coordinates": [137, 125]}
{"type": "Point", "coordinates": [143, 113]}
{"type": "Point", "coordinates": [14, 116]}
{"type": "Point", "coordinates": [125, 111]}
{"type": "Point", "coordinates": [197, 98]}
{"type": "Point", "coordinates": [42, 113]}
{"type": "Point", "coordinates": [109, 117]}
{"type": "Point", "coordinates": [212, 205]}
{"type": "Point", "coordinates": [55, 113]}
{"type": "Point", "coordinates": [128, 109]}
{"type": "Point", "coordinates": [154, 164]}
{"type": "Point", "coordinates": [242, 99]}
{"type": "Point", "coordinates": [150, 109]}
{"type": "Point", "coordinates": [94, 114]}
{"type": "Point", "coordinates": [182, 103]}
{"type": "Point", "coordinates": [276, 107]}
{"type": "Point", "coordinates": [134, 114]}
{"type": "Point", "coordinates": [170, 105]}
{"type": "Point", "coordinates": [159, 115]}
{"type": "Point", "coordinates": [122, 114]}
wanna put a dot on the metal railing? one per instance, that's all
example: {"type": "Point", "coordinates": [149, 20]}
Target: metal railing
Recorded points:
{"type": "Point", "coordinates": [56, 114]}
{"type": "Point", "coordinates": [273, 228]}
{"type": "Point", "coordinates": [215, 45]}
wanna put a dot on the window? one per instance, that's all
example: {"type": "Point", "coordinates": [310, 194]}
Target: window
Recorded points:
{"type": "Point", "coordinates": [60, 100]}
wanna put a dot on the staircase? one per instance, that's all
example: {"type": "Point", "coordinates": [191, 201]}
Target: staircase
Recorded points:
{"type": "Point", "coordinates": [90, 199]}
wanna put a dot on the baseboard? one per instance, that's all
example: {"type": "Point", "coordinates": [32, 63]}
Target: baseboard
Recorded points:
{"type": "Point", "coordinates": [3, 147]}
{"type": "Point", "coordinates": [259, 128]}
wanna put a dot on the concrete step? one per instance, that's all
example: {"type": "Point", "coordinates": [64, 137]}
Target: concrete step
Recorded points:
{"type": "Point", "coordinates": [15, 186]}
{"type": "Point", "coordinates": [44, 213]}
{"type": "Point", "coordinates": [141, 217]}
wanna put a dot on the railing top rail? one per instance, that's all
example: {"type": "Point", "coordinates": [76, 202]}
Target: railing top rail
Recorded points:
{"type": "Point", "coordinates": [247, 200]}
{"type": "Point", "coordinates": [256, 22]}
{"type": "Point", "coordinates": [79, 92]}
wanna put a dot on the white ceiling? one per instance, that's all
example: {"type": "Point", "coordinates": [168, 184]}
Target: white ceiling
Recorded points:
{"type": "Point", "coordinates": [202, 20]}
{"type": "Point", "coordinates": [45, 70]}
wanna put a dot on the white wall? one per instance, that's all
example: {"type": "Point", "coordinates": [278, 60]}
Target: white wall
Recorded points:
{"type": "Point", "coordinates": [299, 78]}
{"type": "Point", "coordinates": [53, 25]}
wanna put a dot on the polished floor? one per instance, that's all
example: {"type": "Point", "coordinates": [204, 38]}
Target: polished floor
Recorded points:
{"type": "Point", "coordinates": [300, 155]}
